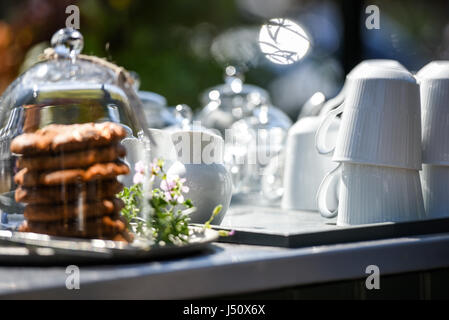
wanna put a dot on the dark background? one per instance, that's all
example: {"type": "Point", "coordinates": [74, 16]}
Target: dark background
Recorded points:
{"type": "Point", "coordinates": [169, 42]}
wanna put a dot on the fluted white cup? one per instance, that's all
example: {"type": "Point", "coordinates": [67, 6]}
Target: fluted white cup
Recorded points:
{"type": "Point", "coordinates": [434, 86]}
{"type": "Point", "coordinates": [435, 185]}
{"type": "Point", "coordinates": [357, 70]}
{"type": "Point", "coordinates": [372, 194]}
{"type": "Point", "coordinates": [381, 121]}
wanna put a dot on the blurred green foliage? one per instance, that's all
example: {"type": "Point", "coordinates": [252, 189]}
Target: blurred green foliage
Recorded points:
{"type": "Point", "coordinates": [166, 42]}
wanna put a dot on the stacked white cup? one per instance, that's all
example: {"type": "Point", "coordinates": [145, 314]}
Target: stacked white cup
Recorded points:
{"type": "Point", "coordinates": [378, 148]}
{"type": "Point", "coordinates": [434, 86]}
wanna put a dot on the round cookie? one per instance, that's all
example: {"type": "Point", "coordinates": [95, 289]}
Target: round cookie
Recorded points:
{"type": "Point", "coordinates": [107, 228]}
{"type": "Point", "coordinates": [56, 138]}
{"type": "Point", "coordinates": [69, 160]}
{"type": "Point", "coordinates": [102, 189]}
{"type": "Point", "coordinates": [98, 171]}
{"type": "Point", "coordinates": [123, 237]}
{"type": "Point", "coordinates": [105, 170]}
{"type": "Point", "coordinates": [51, 212]}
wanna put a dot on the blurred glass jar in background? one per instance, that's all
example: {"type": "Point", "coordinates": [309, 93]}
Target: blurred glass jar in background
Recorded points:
{"type": "Point", "coordinates": [183, 116]}
{"type": "Point", "coordinates": [253, 154]}
{"type": "Point", "coordinates": [157, 114]}
{"type": "Point", "coordinates": [227, 103]}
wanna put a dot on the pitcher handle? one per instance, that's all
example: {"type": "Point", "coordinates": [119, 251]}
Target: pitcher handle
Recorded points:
{"type": "Point", "coordinates": [321, 133]}
{"type": "Point", "coordinates": [323, 191]}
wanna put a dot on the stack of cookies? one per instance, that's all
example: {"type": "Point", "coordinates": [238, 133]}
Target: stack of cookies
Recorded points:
{"type": "Point", "coordinates": [68, 180]}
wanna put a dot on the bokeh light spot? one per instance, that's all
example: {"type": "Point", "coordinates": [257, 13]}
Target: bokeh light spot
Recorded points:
{"type": "Point", "coordinates": [283, 41]}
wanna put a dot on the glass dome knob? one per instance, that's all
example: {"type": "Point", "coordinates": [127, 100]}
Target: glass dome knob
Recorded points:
{"type": "Point", "coordinates": [234, 72]}
{"type": "Point", "coordinates": [67, 42]}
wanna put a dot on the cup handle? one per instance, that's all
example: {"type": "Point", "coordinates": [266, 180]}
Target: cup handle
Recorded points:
{"type": "Point", "coordinates": [321, 133]}
{"type": "Point", "coordinates": [323, 190]}
{"type": "Point", "coordinates": [334, 102]}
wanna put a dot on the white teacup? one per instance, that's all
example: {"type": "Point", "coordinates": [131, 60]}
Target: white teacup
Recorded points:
{"type": "Point", "coordinates": [358, 70]}
{"type": "Point", "coordinates": [434, 86]}
{"type": "Point", "coordinates": [305, 168]}
{"type": "Point", "coordinates": [373, 194]}
{"type": "Point", "coordinates": [381, 122]}
{"type": "Point", "coordinates": [435, 184]}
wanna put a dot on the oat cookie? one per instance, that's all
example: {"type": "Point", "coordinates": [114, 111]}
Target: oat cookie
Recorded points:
{"type": "Point", "coordinates": [98, 171]}
{"type": "Point", "coordinates": [56, 138]}
{"type": "Point", "coordinates": [68, 193]}
{"type": "Point", "coordinates": [107, 228]}
{"type": "Point", "coordinates": [51, 212]}
{"type": "Point", "coordinates": [69, 160]}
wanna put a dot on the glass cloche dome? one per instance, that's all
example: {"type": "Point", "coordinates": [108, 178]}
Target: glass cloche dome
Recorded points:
{"type": "Point", "coordinates": [62, 160]}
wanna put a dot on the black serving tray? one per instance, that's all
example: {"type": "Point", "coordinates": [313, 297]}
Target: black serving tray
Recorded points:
{"type": "Point", "coordinates": [269, 226]}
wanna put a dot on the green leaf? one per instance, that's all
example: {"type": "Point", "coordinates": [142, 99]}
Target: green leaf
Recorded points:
{"type": "Point", "coordinates": [168, 224]}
